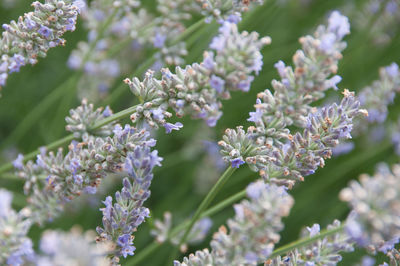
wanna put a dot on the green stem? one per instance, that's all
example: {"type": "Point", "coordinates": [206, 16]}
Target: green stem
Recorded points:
{"type": "Point", "coordinates": [123, 114]}
{"type": "Point", "coordinates": [174, 232]}
{"type": "Point", "coordinates": [305, 241]}
{"type": "Point", "coordinates": [207, 201]}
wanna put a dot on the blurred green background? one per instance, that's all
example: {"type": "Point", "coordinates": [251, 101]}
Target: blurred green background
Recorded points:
{"type": "Point", "coordinates": [173, 188]}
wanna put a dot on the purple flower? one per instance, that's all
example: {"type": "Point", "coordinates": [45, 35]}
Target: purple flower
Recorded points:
{"type": "Point", "coordinates": [338, 24]}
{"type": "Point", "coordinates": [5, 202]}
{"type": "Point", "coordinates": [280, 66]}
{"type": "Point", "coordinates": [30, 24]}
{"type": "Point", "coordinates": [314, 230]}
{"type": "Point", "coordinates": [234, 18]}
{"type": "Point", "coordinates": [70, 24]}
{"type": "Point", "coordinates": [126, 243]}
{"type": "Point", "coordinates": [218, 43]}
{"type": "Point", "coordinates": [158, 114]}
{"type": "Point", "coordinates": [217, 83]}
{"type": "Point", "coordinates": [388, 245]}
{"type": "Point", "coordinates": [237, 162]}
{"type": "Point", "coordinates": [327, 42]}
{"type": "Point", "coordinates": [19, 162]}
{"type": "Point", "coordinates": [244, 85]}
{"type": "Point", "coordinates": [254, 190]}
{"type": "Point", "coordinates": [332, 82]}
{"type": "Point", "coordinates": [75, 165]}
{"type": "Point", "coordinates": [392, 70]}
{"type": "Point", "coordinates": [3, 79]}
{"type": "Point", "coordinates": [251, 257]}
{"type": "Point", "coordinates": [375, 115]}
{"type": "Point", "coordinates": [169, 127]}
{"type": "Point", "coordinates": [159, 40]}
{"type": "Point", "coordinates": [392, 7]}
{"type": "Point", "coordinates": [90, 190]}
{"type": "Point", "coordinates": [367, 261]}
{"type": "Point", "coordinates": [180, 103]}
{"type": "Point", "coordinates": [80, 4]}
{"type": "Point", "coordinates": [45, 31]}
{"type": "Point", "coordinates": [78, 179]}
{"type": "Point", "coordinates": [208, 61]}
{"type": "Point", "coordinates": [343, 148]}
{"type": "Point", "coordinates": [108, 209]}
{"type": "Point", "coordinates": [257, 115]}
{"type": "Point", "coordinates": [107, 111]}
{"type": "Point", "coordinates": [16, 62]}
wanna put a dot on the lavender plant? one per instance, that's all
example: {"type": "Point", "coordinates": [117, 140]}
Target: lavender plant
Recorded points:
{"type": "Point", "coordinates": [291, 136]}
{"type": "Point", "coordinates": [253, 231]}
{"type": "Point", "coordinates": [30, 37]}
{"type": "Point", "coordinates": [374, 220]}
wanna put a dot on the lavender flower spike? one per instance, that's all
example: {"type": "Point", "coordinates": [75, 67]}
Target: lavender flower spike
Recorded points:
{"type": "Point", "coordinates": [121, 219]}
{"type": "Point", "coordinates": [253, 231]}
{"type": "Point", "coordinates": [15, 246]}
{"type": "Point", "coordinates": [304, 152]}
{"type": "Point", "coordinates": [375, 217]}
{"type": "Point", "coordinates": [198, 89]}
{"type": "Point", "coordinates": [30, 37]}
{"type": "Point", "coordinates": [322, 252]}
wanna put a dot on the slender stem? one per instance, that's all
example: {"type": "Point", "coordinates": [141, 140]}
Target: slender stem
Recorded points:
{"type": "Point", "coordinates": [207, 201]}
{"type": "Point", "coordinates": [174, 232]}
{"type": "Point", "coordinates": [305, 241]}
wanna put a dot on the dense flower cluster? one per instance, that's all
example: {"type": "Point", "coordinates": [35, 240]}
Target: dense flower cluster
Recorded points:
{"type": "Point", "coordinates": [198, 89]}
{"type": "Point", "coordinates": [253, 231]}
{"type": "Point", "coordinates": [375, 99]}
{"type": "Point", "coordinates": [119, 32]}
{"type": "Point", "coordinates": [287, 163]}
{"type": "Point", "coordinates": [375, 217]}
{"type": "Point", "coordinates": [225, 10]}
{"type": "Point", "coordinates": [30, 37]}
{"type": "Point", "coordinates": [56, 178]}
{"type": "Point", "coordinates": [15, 246]}
{"type": "Point", "coordinates": [71, 248]}
{"type": "Point", "coordinates": [83, 119]}
{"type": "Point", "coordinates": [324, 251]}
{"type": "Point", "coordinates": [263, 145]}
{"type": "Point", "coordinates": [314, 66]}
{"type": "Point", "coordinates": [121, 219]}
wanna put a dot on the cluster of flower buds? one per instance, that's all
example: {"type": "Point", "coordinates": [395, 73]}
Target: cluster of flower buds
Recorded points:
{"type": "Point", "coordinates": [287, 163]}
{"type": "Point", "coordinates": [83, 119]}
{"type": "Point", "coordinates": [30, 37]}
{"type": "Point", "coordinates": [375, 217]}
{"type": "Point", "coordinates": [384, 14]}
{"type": "Point", "coordinates": [121, 219]}
{"type": "Point", "coordinates": [55, 178]}
{"type": "Point", "coordinates": [375, 99]}
{"type": "Point", "coordinates": [314, 66]}
{"type": "Point", "coordinates": [380, 94]}
{"type": "Point", "coordinates": [323, 251]}
{"type": "Point", "coordinates": [230, 10]}
{"type": "Point", "coordinates": [253, 231]}
{"type": "Point", "coordinates": [394, 258]}
{"type": "Point", "coordinates": [198, 89]}
{"type": "Point", "coordinates": [72, 248]}
{"type": "Point", "coordinates": [162, 231]}
{"type": "Point", "coordinates": [15, 246]}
